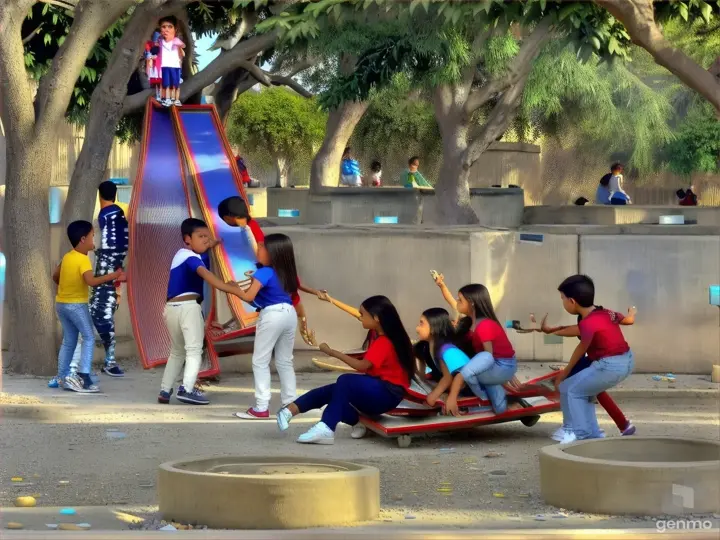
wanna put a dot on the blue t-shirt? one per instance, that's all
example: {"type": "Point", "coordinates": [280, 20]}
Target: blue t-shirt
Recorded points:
{"type": "Point", "coordinates": [350, 167]}
{"type": "Point", "coordinates": [453, 357]}
{"type": "Point", "coordinates": [113, 228]}
{"type": "Point", "coordinates": [184, 278]}
{"type": "Point", "coordinates": [272, 291]}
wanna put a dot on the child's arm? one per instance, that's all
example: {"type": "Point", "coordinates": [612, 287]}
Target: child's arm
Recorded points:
{"type": "Point", "coordinates": [56, 274]}
{"type": "Point", "coordinates": [93, 281]}
{"type": "Point", "coordinates": [447, 295]}
{"type": "Point", "coordinates": [562, 331]}
{"type": "Point", "coordinates": [230, 288]}
{"type": "Point", "coordinates": [442, 385]}
{"type": "Point", "coordinates": [346, 308]}
{"type": "Point", "coordinates": [357, 364]}
{"type": "Point", "coordinates": [307, 335]}
{"type": "Point", "coordinates": [322, 295]}
{"type": "Point", "coordinates": [577, 354]}
{"type": "Point", "coordinates": [630, 319]}
{"type": "Point", "coordinates": [451, 406]}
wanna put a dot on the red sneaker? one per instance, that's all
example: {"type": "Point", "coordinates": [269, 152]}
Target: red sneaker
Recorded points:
{"type": "Point", "coordinates": [252, 414]}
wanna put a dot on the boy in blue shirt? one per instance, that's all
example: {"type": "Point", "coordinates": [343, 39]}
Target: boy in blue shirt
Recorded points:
{"type": "Point", "coordinates": [183, 311]}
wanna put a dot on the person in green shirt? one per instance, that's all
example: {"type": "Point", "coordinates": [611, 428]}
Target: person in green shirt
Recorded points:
{"type": "Point", "coordinates": [412, 178]}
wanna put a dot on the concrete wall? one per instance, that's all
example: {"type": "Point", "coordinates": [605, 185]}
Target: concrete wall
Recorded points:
{"type": "Point", "coordinates": [620, 215]}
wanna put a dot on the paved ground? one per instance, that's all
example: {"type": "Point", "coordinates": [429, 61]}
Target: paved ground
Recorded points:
{"type": "Point", "coordinates": [104, 450]}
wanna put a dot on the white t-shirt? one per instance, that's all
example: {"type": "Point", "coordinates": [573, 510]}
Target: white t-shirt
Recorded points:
{"type": "Point", "coordinates": [170, 54]}
{"type": "Point", "coordinates": [615, 186]}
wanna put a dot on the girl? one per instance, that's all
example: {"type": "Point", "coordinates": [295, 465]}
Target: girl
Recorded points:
{"type": "Point", "coordinates": [495, 363]}
{"type": "Point", "coordinates": [350, 170]}
{"type": "Point", "coordinates": [376, 176]}
{"type": "Point", "coordinates": [270, 291]}
{"type": "Point", "coordinates": [388, 366]}
{"type": "Point", "coordinates": [441, 350]}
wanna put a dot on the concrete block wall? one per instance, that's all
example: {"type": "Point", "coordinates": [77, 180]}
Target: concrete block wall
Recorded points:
{"type": "Point", "coordinates": [617, 215]}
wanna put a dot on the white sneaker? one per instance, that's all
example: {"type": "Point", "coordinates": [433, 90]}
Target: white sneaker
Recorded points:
{"type": "Point", "coordinates": [177, 103]}
{"type": "Point", "coordinates": [559, 434]}
{"type": "Point", "coordinates": [358, 431]}
{"type": "Point", "coordinates": [569, 438]}
{"type": "Point", "coordinates": [283, 419]}
{"type": "Point", "coordinates": [318, 434]}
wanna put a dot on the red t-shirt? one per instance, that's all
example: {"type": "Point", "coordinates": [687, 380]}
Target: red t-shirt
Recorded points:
{"type": "Point", "coordinates": [602, 329]}
{"type": "Point", "coordinates": [385, 364]}
{"type": "Point", "coordinates": [489, 330]}
{"type": "Point", "coordinates": [295, 297]}
{"type": "Point", "coordinates": [256, 231]}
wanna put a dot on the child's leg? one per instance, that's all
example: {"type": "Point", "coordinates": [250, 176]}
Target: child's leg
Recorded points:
{"type": "Point", "coordinates": [77, 353]}
{"type": "Point", "coordinates": [104, 303]}
{"type": "Point", "coordinates": [69, 341]}
{"type": "Point", "coordinates": [316, 398]}
{"type": "Point", "coordinates": [284, 356]}
{"type": "Point", "coordinates": [193, 331]}
{"type": "Point", "coordinates": [172, 315]}
{"type": "Point", "coordinates": [607, 403]}
{"type": "Point", "coordinates": [270, 327]}
{"type": "Point", "coordinates": [85, 326]}
{"type": "Point", "coordinates": [357, 392]}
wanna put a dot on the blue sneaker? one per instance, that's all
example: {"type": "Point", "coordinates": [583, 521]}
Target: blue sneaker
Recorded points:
{"type": "Point", "coordinates": [164, 397]}
{"type": "Point", "coordinates": [194, 397]}
{"type": "Point", "coordinates": [113, 370]}
{"type": "Point", "coordinates": [55, 382]}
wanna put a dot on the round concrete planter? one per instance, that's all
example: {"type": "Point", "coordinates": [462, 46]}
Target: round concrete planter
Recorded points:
{"type": "Point", "coordinates": [633, 475]}
{"type": "Point", "coordinates": [268, 493]}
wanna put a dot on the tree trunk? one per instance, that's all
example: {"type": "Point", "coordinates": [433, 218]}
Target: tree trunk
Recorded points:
{"type": "Point", "coordinates": [226, 90]}
{"type": "Point", "coordinates": [325, 170]}
{"type": "Point", "coordinates": [281, 171]}
{"type": "Point", "coordinates": [30, 294]}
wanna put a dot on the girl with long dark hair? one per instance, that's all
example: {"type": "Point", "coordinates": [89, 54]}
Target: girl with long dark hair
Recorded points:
{"type": "Point", "coordinates": [270, 292]}
{"type": "Point", "coordinates": [387, 367]}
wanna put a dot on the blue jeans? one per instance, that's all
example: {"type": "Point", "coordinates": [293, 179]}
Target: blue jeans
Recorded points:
{"type": "Point", "coordinates": [75, 319]}
{"type": "Point", "coordinates": [576, 392]}
{"type": "Point", "coordinates": [348, 395]}
{"type": "Point", "coordinates": [104, 300]}
{"type": "Point", "coordinates": [486, 374]}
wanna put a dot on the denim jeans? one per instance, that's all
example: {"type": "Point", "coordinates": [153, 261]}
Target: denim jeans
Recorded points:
{"type": "Point", "coordinates": [576, 392]}
{"type": "Point", "coordinates": [75, 320]}
{"type": "Point", "coordinates": [104, 300]}
{"type": "Point", "coordinates": [486, 374]}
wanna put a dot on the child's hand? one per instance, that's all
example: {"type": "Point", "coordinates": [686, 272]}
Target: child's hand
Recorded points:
{"type": "Point", "coordinates": [121, 277]}
{"type": "Point", "coordinates": [438, 278]}
{"type": "Point", "coordinates": [323, 295]}
{"type": "Point", "coordinates": [451, 407]}
{"type": "Point", "coordinates": [561, 376]}
{"type": "Point", "coordinates": [308, 336]}
{"type": "Point", "coordinates": [325, 349]}
{"type": "Point", "coordinates": [632, 311]}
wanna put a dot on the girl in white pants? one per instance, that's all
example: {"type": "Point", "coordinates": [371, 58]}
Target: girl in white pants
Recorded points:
{"type": "Point", "coordinates": [270, 292]}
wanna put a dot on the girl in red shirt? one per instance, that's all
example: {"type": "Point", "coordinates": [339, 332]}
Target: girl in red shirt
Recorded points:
{"type": "Point", "coordinates": [387, 367]}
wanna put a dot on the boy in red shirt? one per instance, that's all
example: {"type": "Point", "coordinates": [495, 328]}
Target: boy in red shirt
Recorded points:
{"type": "Point", "coordinates": [601, 339]}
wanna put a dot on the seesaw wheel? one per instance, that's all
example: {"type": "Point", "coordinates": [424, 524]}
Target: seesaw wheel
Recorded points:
{"type": "Point", "coordinates": [404, 441]}
{"type": "Point", "coordinates": [530, 421]}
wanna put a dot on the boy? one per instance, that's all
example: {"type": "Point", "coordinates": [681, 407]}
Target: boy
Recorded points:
{"type": "Point", "coordinates": [601, 339]}
{"type": "Point", "coordinates": [183, 311]}
{"type": "Point", "coordinates": [234, 212]}
{"type": "Point", "coordinates": [172, 51]}
{"type": "Point", "coordinates": [104, 301]}
{"type": "Point", "coordinates": [413, 178]}
{"type": "Point", "coordinates": [74, 275]}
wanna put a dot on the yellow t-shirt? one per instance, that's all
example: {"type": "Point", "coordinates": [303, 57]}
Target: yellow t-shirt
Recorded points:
{"type": "Point", "coordinates": [72, 288]}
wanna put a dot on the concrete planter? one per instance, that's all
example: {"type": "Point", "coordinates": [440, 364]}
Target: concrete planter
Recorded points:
{"type": "Point", "coordinates": [633, 475]}
{"type": "Point", "coordinates": [268, 493]}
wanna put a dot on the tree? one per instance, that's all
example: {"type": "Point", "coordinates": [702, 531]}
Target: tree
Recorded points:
{"type": "Point", "coordinates": [279, 122]}
{"type": "Point", "coordinates": [31, 120]}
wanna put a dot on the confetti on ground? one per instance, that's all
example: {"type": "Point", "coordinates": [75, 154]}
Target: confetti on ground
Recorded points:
{"type": "Point", "coordinates": [167, 528]}
{"type": "Point", "coordinates": [14, 525]}
{"type": "Point", "coordinates": [409, 516]}
{"type": "Point", "coordinates": [70, 527]}
{"type": "Point", "coordinates": [447, 450]}
{"type": "Point", "coordinates": [63, 482]}
{"type": "Point", "coordinates": [524, 495]}
{"type": "Point", "coordinates": [68, 511]}
{"type": "Point", "coordinates": [25, 502]}
{"type": "Point", "coordinates": [51, 525]}
{"type": "Point", "coordinates": [435, 462]}
{"type": "Point", "coordinates": [540, 518]}
{"type": "Point", "coordinates": [493, 454]}
{"type": "Point", "coordinates": [22, 484]}
{"type": "Point", "coordinates": [498, 473]}
{"type": "Point", "coordinates": [16, 479]}
{"type": "Point", "coordinates": [499, 495]}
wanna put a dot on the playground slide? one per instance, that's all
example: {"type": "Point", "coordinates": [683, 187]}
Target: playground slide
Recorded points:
{"type": "Point", "coordinates": [185, 167]}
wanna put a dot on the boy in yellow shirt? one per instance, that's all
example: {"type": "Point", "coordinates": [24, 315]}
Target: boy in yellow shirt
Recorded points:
{"type": "Point", "coordinates": [74, 275]}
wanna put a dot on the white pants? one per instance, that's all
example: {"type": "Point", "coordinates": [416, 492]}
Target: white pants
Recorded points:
{"type": "Point", "coordinates": [276, 328]}
{"type": "Point", "coordinates": [185, 323]}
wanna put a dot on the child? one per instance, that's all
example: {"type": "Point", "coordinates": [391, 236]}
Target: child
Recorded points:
{"type": "Point", "coordinates": [412, 178]}
{"type": "Point", "coordinates": [183, 311]}
{"type": "Point", "coordinates": [172, 51]}
{"type": "Point", "coordinates": [494, 363]}
{"type": "Point", "coordinates": [74, 275]}
{"type": "Point", "coordinates": [234, 212]}
{"type": "Point", "coordinates": [617, 194]}
{"type": "Point", "coordinates": [440, 349]}
{"type": "Point", "coordinates": [564, 433]}
{"type": "Point", "coordinates": [270, 291]}
{"type": "Point", "coordinates": [350, 170]}
{"type": "Point", "coordinates": [152, 63]}
{"type": "Point", "coordinates": [387, 368]}
{"type": "Point", "coordinates": [611, 360]}
{"type": "Point", "coordinates": [111, 254]}
{"type": "Point", "coordinates": [376, 176]}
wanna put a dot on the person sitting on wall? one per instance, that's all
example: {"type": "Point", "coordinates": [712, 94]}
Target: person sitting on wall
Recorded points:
{"type": "Point", "coordinates": [350, 174]}
{"type": "Point", "coordinates": [618, 197]}
{"type": "Point", "coordinates": [687, 198]}
{"type": "Point", "coordinates": [412, 178]}
{"type": "Point", "coordinates": [244, 174]}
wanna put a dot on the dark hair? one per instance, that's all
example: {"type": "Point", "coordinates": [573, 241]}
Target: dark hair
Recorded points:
{"type": "Point", "coordinates": [579, 288]}
{"type": "Point", "coordinates": [414, 158]}
{"type": "Point", "coordinates": [347, 151]}
{"type": "Point", "coordinates": [76, 230]}
{"type": "Point", "coordinates": [392, 327]}
{"type": "Point", "coordinates": [170, 19]}
{"type": "Point", "coordinates": [479, 298]}
{"type": "Point", "coordinates": [234, 207]}
{"type": "Point", "coordinates": [282, 259]}
{"type": "Point", "coordinates": [442, 332]}
{"type": "Point", "coordinates": [376, 166]}
{"type": "Point", "coordinates": [190, 225]}
{"type": "Point", "coordinates": [605, 180]}
{"type": "Point", "coordinates": [107, 191]}
{"type": "Point", "coordinates": [615, 166]}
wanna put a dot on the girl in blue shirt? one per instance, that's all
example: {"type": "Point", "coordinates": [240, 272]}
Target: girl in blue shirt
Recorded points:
{"type": "Point", "coordinates": [270, 292]}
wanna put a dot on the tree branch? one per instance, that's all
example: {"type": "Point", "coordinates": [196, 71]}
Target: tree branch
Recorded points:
{"type": "Point", "coordinates": [92, 19]}
{"type": "Point", "coordinates": [281, 80]}
{"type": "Point", "coordinates": [260, 75]}
{"type": "Point", "coordinates": [32, 34]}
{"type": "Point", "coordinates": [519, 67]}
{"type": "Point", "coordinates": [217, 68]}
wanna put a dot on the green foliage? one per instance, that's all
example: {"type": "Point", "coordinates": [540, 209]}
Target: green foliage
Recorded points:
{"type": "Point", "coordinates": [277, 121]}
{"type": "Point", "coordinates": [697, 145]}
